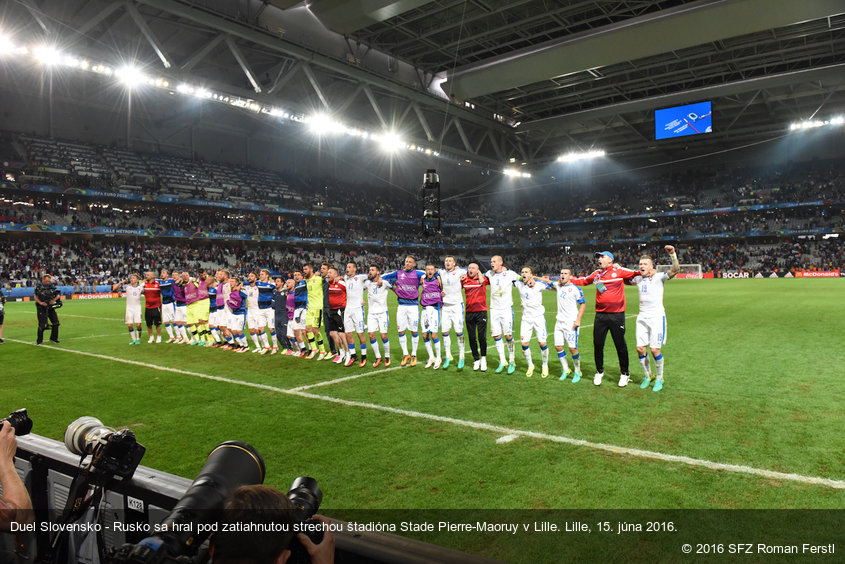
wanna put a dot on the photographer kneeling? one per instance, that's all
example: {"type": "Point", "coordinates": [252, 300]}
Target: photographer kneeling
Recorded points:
{"type": "Point", "coordinates": [274, 517]}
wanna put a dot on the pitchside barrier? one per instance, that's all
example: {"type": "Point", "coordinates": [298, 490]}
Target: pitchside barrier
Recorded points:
{"type": "Point", "coordinates": [130, 510]}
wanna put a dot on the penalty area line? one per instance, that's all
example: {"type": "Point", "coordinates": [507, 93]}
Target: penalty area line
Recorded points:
{"type": "Point", "coordinates": [497, 429]}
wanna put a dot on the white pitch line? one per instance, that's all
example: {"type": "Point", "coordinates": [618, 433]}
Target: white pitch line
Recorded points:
{"type": "Point", "coordinates": [338, 380]}
{"type": "Point", "coordinates": [497, 429]}
{"type": "Point", "coordinates": [81, 316]}
{"type": "Point", "coordinates": [94, 336]}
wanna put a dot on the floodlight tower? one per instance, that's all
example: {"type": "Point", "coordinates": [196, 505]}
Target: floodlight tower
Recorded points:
{"type": "Point", "coordinates": [430, 196]}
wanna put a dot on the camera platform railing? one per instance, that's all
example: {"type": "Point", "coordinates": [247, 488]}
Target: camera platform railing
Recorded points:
{"type": "Point", "coordinates": [138, 504]}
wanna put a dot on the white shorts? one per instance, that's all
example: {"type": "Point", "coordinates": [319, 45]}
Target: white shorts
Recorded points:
{"type": "Point", "coordinates": [236, 321]}
{"type": "Point", "coordinates": [223, 316]}
{"type": "Point", "coordinates": [353, 320]}
{"type": "Point", "coordinates": [290, 334]}
{"type": "Point", "coordinates": [407, 318]}
{"type": "Point", "coordinates": [430, 319]}
{"type": "Point", "coordinates": [168, 312]}
{"type": "Point", "coordinates": [298, 321]}
{"type": "Point", "coordinates": [565, 334]}
{"type": "Point", "coordinates": [133, 315]}
{"type": "Point", "coordinates": [214, 318]}
{"type": "Point", "coordinates": [378, 321]}
{"type": "Point", "coordinates": [501, 322]}
{"type": "Point", "coordinates": [253, 319]}
{"type": "Point", "coordinates": [528, 325]}
{"type": "Point", "coordinates": [181, 314]}
{"type": "Point", "coordinates": [267, 318]}
{"type": "Point", "coordinates": [452, 316]}
{"type": "Point", "coordinates": [651, 332]}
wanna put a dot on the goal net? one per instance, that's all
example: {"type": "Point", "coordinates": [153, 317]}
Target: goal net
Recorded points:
{"type": "Point", "coordinates": [687, 270]}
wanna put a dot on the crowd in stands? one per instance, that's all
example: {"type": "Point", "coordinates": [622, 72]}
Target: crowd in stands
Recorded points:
{"type": "Point", "coordinates": [87, 212]}
{"type": "Point", "coordinates": [87, 262]}
{"type": "Point", "coordinates": [599, 204]}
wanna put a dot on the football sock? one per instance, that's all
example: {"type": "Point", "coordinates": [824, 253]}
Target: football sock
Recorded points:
{"type": "Point", "coordinates": [500, 348]}
{"type": "Point", "coordinates": [461, 346]}
{"type": "Point", "coordinates": [374, 346]}
{"type": "Point", "coordinates": [576, 362]}
{"type": "Point", "coordinates": [644, 364]}
{"type": "Point", "coordinates": [435, 342]}
{"type": "Point", "coordinates": [447, 344]}
{"type": "Point", "coordinates": [562, 357]}
{"type": "Point", "coordinates": [403, 342]}
{"type": "Point", "coordinates": [658, 364]}
{"type": "Point", "coordinates": [544, 352]}
{"type": "Point", "coordinates": [511, 349]}
{"type": "Point", "coordinates": [169, 330]}
{"type": "Point", "coordinates": [526, 350]}
{"type": "Point", "coordinates": [274, 339]}
{"type": "Point", "coordinates": [415, 343]}
{"type": "Point", "coordinates": [263, 338]}
{"type": "Point", "coordinates": [427, 342]}
{"type": "Point", "coordinates": [386, 343]}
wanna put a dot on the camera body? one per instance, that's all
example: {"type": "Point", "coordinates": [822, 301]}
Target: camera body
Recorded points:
{"type": "Point", "coordinates": [114, 453]}
{"type": "Point", "coordinates": [20, 422]}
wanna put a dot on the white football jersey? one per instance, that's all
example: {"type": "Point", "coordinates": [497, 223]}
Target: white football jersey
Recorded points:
{"type": "Point", "coordinates": [251, 297]}
{"type": "Point", "coordinates": [355, 289]}
{"type": "Point", "coordinates": [532, 298]}
{"type": "Point", "coordinates": [501, 288]}
{"type": "Point", "coordinates": [651, 294]}
{"type": "Point", "coordinates": [133, 295]}
{"type": "Point", "coordinates": [569, 300]}
{"type": "Point", "coordinates": [376, 296]}
{"type": "Point", "coordinates": [452, 294]}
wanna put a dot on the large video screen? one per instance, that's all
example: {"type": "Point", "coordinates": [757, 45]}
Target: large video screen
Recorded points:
{"type": "Point", "coordinates": [680, 121]}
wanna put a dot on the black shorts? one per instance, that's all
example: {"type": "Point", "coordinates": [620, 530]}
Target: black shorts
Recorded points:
{"type": "Point", "coordinates": [334, 321]}
{"type": "Point", "coordinates": [2, 315]}
{"type": "Point", "coordinates": [152, 315]}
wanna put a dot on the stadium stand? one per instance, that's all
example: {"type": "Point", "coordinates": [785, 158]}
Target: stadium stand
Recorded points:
{"type": "Point", "coordinates": [766, 219]}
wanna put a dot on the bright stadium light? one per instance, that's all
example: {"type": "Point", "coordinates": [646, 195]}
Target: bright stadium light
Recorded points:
{"type": "Point", "coordinates": [515, 173]}
{"type": "Point", "coordinates": [47, 55]}
{"type": "Point", "coordinates": [816, 123]}
{"type": "Point", "coordinates": [580, 156]}
{"type": "Point", "coordinates": [6, 45]}
{"type": "Point", "coordinates": [130, 76]}
{"type": "Point", "coordinates": [390, 142]}
{"type": "Point", "coordinates": [323, 124]}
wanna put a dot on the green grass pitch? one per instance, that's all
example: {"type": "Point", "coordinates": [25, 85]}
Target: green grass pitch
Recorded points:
{"type": "Point", "coordinates": [753, 378]}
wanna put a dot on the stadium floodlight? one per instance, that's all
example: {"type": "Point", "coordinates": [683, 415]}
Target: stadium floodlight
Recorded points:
{"type": "Point", "coordinates": [580, 156]}
{"type": "Point", "coordinates": [515, 173]}
{"type": "Point", "coordinates": [323, 124]}
{"type": "Point", "coordinates": [6, 45]}
{"type": "Point", "coordinates": [390, 142]}
{"type": "Point", "coordinates": [838, 120]}
{"type": "Point", "coordinates": [130, 76]}
{"type": "Point", "coordinates": [47, 55]}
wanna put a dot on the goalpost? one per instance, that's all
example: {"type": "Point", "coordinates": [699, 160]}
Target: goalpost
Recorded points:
{"type": "Point", "coordinates": [687, 270]}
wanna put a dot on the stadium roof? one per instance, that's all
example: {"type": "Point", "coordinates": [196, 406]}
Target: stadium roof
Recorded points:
{"type": "Point", "coordinates": [528, 79]}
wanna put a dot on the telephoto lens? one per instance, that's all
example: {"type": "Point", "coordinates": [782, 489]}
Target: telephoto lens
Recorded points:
{"type": "Point", "coordinates": [20, 422]}
{"type": "Point", "coordinates": [83, 435]}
